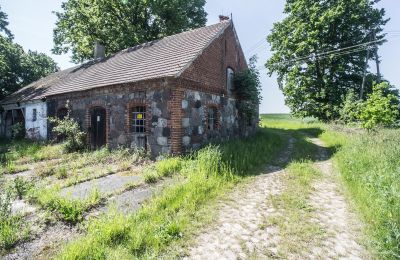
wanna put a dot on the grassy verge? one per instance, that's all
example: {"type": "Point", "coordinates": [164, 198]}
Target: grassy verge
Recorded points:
{"type": "Point", "coordinates": [297, 231]}
{"type": "Point", "coordinates": [170, 217]}
{"type": "Point", "coordinates": [12, 227]}
{"type": "Point", "coordinates": [370, 167]}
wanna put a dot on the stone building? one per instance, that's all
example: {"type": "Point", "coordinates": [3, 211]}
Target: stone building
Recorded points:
{"type": "Point", "coordinates": [168, 96]}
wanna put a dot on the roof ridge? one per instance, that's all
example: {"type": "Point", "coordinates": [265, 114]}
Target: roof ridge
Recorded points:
{"type": "Point", "coordinates": [221, 31]}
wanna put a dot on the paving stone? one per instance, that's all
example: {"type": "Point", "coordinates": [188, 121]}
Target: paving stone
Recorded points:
{"type": "Point", "coordinates": [104, 185]}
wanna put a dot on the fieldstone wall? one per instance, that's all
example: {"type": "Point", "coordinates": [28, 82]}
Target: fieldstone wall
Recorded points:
{"type": "Point", "coordinates": [196, 131]}
{"type": "Point", "coordinates": [118, 103]}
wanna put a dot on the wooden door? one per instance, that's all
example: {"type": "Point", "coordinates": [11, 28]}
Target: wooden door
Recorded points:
{"type": "Point", "coordinates": [98, 127]}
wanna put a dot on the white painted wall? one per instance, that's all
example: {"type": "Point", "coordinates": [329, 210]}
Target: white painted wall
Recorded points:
{"type": "Point", "coordinates": [36, 130]}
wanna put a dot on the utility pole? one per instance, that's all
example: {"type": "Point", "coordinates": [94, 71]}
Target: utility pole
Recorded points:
{"type": "Point", "coordinates": [365, 72]}
{"type": "Point", "coordinates": [378, 71]}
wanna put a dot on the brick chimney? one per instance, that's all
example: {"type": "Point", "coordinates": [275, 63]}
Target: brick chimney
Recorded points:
{"type": "Point", "coordinates": [99, 50]}
{"type": "Point", "coordinates": [223, 18]}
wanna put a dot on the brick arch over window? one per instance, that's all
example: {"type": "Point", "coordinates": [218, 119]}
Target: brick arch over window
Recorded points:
{"type": "Point", "coordinates": [88, 121]}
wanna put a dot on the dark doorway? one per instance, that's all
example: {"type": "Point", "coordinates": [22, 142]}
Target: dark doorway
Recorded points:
{"type": "Point", "coordinates": [98, 127]}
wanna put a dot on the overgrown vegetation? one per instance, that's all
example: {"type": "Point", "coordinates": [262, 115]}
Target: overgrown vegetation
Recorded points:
{"type": "Point", "coordinates": [369, 165]}
{"type": "Point", "coordinates": [297, 230]}
{"type": "Point", "coordinates": [68, 129]}
{"type": "Point", "coordinates": [169, 217]}
{"type": "Point", "coordinates": [248, 87]}
{"type": "Point", "coordinates": [12, 227]}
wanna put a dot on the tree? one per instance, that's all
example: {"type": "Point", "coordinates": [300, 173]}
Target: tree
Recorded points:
{"type": "Point", "coordinates": [119, 24]}
{"type": "Point", "coordinates": [19, 68]}
{"type": "Point", "coordinates": [313, 83]}
{"type": "Point", "coordinates": [4, 24]}
{"type": "Point", "coordinates": [381, 108]}
{"type": "Point", "coordinates": [248, 88]}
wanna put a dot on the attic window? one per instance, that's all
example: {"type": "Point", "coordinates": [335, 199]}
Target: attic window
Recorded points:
{"type": "Point", "coordinates": [230, 75]}
{"type": "Point", "coordinates": [138, 119]}
{"type": "Point", "coordinates": [34, 114]}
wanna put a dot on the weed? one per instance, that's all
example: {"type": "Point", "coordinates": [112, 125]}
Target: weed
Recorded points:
{"type": "Point", "coordinates": [21, 187]}
{"type": "Point", "coordinates": [169, 217]}
{"type": "Point", "coordinates": [62, 172]}
{"type": "Point", "coordinates": [12, 227]}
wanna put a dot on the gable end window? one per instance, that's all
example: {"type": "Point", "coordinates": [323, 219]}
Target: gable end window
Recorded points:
{"type": "Point", "coordinates": [34, 114]}
{"type": "Point", "coordinates": [212, 121]}
{"type": "Point", "coordinates": [138, 119]}
{"type": "Point", "coordinates": [230, 75]}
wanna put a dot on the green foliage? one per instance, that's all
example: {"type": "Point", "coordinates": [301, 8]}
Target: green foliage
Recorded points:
{"type": "Point", "coordinates": [68, 209]}
{"type": "Point", "coordinates": [381, 108]}
{"type": "Point", "coordinates": [121, 24]}
{"type": "Point", "coordinates": [169, 217]}
{"type": "Point", "coordinates": [17, 131]}
{"type": "Point", "coordinates": [4, 24]}
{"type": "Point", "coordinates": [12, 227]}
{"type": "Point", "coordinates": [351, 110]}
{"type": "Point", "coordinates": [314, 86]}
{"type": "Point", "coordinates": [248, 88]}
{"type": "Point", "coordinates": [17, 67]}
{"type": "Point", "coordinates": [69, 129]}
{"type": "Point", "coordinates": [21, 187]}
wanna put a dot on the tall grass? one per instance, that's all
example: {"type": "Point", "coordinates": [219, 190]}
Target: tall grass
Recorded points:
{"type": "Point", "coordinates": [370, 166]}
{"type": "Point", "coordinates": [171, 216]}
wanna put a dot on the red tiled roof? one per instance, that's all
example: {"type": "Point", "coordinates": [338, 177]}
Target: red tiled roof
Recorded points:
{"type": "Point", "coordinates": [167, 57]}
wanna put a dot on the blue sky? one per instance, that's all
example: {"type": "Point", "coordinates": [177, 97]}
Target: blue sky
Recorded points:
{"type": "Point", "coordinates": [32, 23]}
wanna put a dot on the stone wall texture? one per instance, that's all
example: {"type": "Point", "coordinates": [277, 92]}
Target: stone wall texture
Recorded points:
{"type": "Point", "coordinates": [177, 109]}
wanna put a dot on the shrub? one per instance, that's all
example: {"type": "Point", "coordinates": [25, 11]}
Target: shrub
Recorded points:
{"type": "Point", "coordinates": [69, 129]}
{"type": "Point", "coordinates": [381, 108]}
{"type": "Point", "coordinates": [17, 131]}
{"type": "Point", "coordinates": [351, 110]}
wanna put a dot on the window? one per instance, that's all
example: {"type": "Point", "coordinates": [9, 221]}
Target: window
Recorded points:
{"type": "Point", "coordinates": [139, 119]}
{"type": "Point", "coordinates": [230, 75]}
{"type": "Point", "coordinates": [212, 118]}
{"type": "Point", "coordinates": [34, 114]}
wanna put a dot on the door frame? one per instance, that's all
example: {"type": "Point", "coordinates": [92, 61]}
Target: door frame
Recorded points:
{"type": "Point", "coordinates": [89, 112]}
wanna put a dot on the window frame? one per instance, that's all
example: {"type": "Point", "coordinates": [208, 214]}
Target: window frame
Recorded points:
{"type": "Point", "coordinates": [212, 121]}
{"type": "Point", "coordinates": [138, 125]}
{"type": "Point", "coordinates": [230, 85]}
{"type": "Point", "coordinates": [34, 115]}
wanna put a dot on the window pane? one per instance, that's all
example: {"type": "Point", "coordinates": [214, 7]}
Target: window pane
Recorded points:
{"type": "Point", "coordinates": [138, 119]}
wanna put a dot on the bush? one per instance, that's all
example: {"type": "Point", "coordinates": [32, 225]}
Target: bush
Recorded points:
{"type": "Point", "coordinates": [17, 131]}
{"type": "Point", "coordinates": [351, 110]}
{"type": "Point", "coordinates": [381, 108]}
{"type": "Point", "coordinates": [69, 129]}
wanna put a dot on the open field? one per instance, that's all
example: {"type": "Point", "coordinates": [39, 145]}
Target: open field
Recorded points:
{"type": "Point", "coordinates": [121, 205]}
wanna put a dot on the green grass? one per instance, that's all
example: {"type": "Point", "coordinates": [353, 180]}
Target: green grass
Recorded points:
{"type": "Point", "coordinates": [171, 217]}
{"type": "Point", "coordinates": [370, 166]}
{"type": "Point", "coordinates": [297, 231]}
{"type": "Point", "coordinates": [67, 209]}
{"type": "Point", "coordinates": [13, 228]}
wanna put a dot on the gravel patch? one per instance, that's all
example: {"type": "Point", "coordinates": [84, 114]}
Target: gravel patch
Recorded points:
{"type": "Point", "coordinates": [46, 246]}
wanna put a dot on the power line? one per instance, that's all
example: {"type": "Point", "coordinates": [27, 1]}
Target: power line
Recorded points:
{"type": "Point", "coordinates": [346, 52]}
{"type": "Point", "coordinates": [321, 54]}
